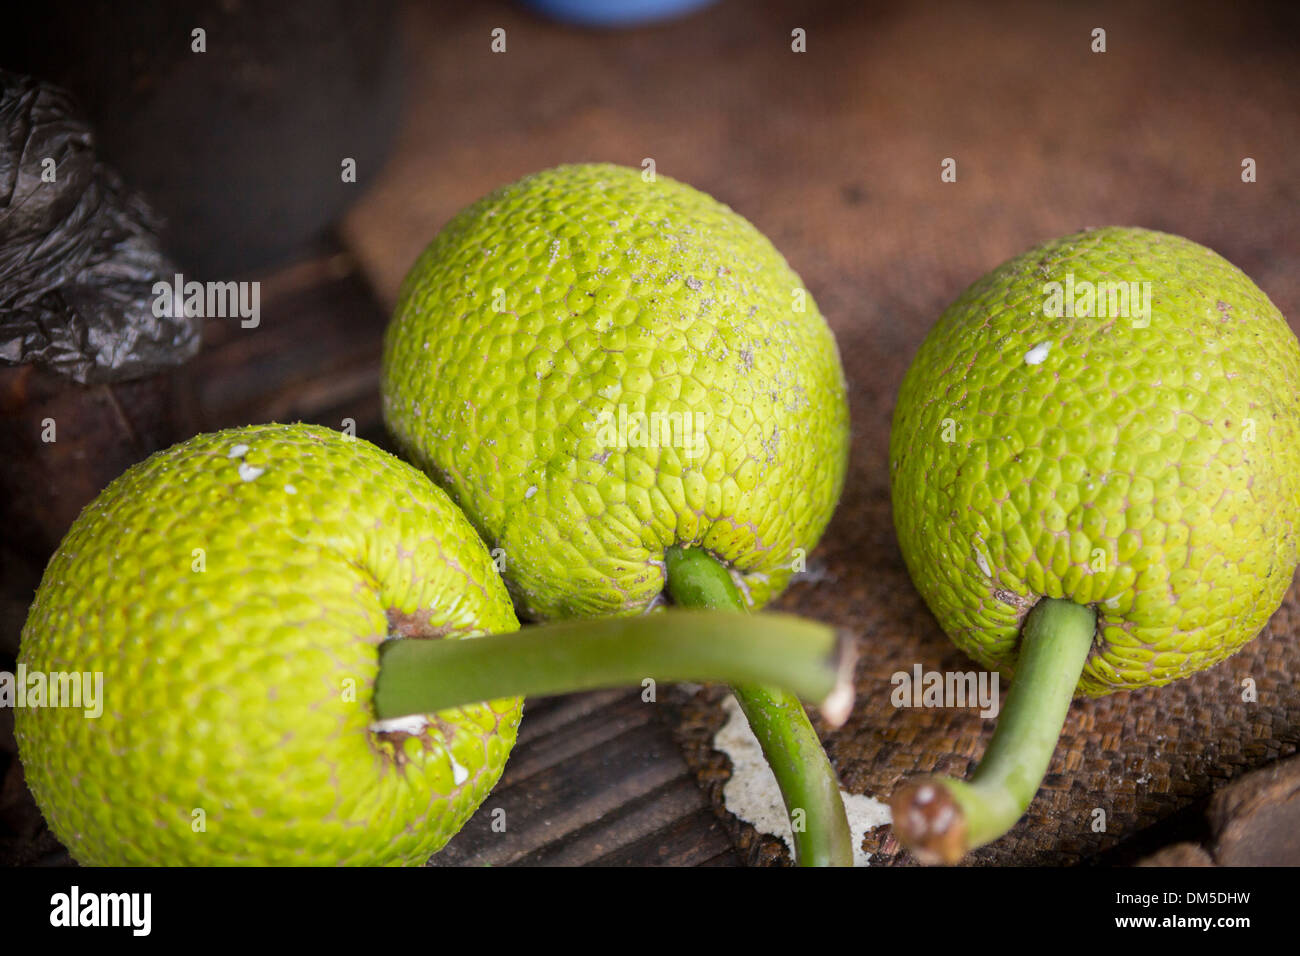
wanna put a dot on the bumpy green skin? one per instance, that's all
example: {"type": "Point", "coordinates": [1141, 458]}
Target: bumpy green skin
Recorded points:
{"type": "Point", "coordinates": [582, 289]}
{"type": "Point", "coordinates": [226, 689]}
{"type": "Point", "coordinates": [1174, 449]}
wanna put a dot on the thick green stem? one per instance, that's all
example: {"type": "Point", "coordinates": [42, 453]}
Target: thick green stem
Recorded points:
{"type": "Point", "coordinates": [423, 676]}
{"type": "Point", "coordinates": [940, 819]}
{"type": "Point", "coordinates": [793, 750]}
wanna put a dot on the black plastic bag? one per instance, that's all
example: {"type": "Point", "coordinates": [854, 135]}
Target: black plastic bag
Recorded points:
{"type": "Point", "coordinates": [79, 256]}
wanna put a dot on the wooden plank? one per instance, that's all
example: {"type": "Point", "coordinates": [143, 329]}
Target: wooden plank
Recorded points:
{"type": "Point", "coordinates": [603, 783]}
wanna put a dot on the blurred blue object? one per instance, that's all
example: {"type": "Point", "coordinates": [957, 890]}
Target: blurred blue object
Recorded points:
{"type": "Point", "coordinates": [615, 13]}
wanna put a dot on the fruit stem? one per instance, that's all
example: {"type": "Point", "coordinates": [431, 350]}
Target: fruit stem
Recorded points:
{"type": "Point", "coordinates": [791, 746]}
{"type": "Point", "coordinates": [940, 819]}
{"type": "Point", "coordinates": [423, 676]}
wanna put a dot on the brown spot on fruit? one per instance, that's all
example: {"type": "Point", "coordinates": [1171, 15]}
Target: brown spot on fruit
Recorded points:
{"type": "Point", "coordinates": [414, 625]}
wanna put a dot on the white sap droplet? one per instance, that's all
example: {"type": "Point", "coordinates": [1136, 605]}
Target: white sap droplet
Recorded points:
{"type": "Point", "coordinates": [753, 795]}
{"type": "Point", "coordinates": [1038, 354]}
{"type": "Point", "coordinates": [407, 724]}
{"type": "Point", "coordinates": [532, 490]}
{"type": "Point", "coordinates": [290, 490]}
{"type": "Point", "coordinates": [983, 562]}
{"type": "Point", "coordinates": [458, 773]}
{"type": "Point", "coordinates": [239, 451]}
{"type": "Point", "coordinates": [249, 472]}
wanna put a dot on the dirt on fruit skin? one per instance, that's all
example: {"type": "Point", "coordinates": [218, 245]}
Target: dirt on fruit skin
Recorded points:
{"type": "Point", "coordinates": [418, 624]}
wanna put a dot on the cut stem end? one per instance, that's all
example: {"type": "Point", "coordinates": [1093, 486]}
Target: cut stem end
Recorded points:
{"type": "Point", "coordinates": [929, 821]}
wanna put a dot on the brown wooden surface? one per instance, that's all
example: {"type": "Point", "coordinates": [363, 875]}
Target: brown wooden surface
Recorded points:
{"type": "Point", "coordinates": [594, 779]}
